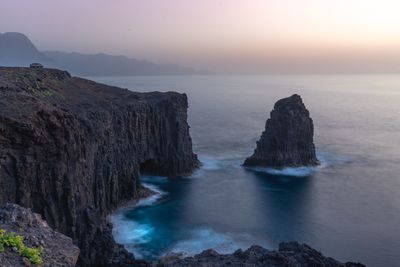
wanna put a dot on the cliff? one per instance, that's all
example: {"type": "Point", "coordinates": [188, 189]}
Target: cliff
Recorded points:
{"type": "Point", "coordinates": [290, 254]}
{"type": "Point", "coordinates": [56, 249]}
{"type": "Point", "coordinates": [72, 149]}
{"type": "Point", "coordinates": [288, 137]}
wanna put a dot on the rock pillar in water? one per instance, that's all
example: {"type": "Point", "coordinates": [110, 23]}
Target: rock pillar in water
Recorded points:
{"type": "Point", "coordinates": [288, 137]}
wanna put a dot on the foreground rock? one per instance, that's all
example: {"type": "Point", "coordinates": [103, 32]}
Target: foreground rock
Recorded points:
{"type": "Point", "coordinates": [289, 255]}
{"type": "Point", "coordinates": [72, 149]}
{"type": "Point", "coordinates": [58, 249]}
{"type": "Point", "coordinates": [288, 137]}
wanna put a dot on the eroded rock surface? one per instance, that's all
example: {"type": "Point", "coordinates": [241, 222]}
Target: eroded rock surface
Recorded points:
{"type": "Point", "coordinates": [290, 254]}
{"type": "Point", "coordinates": [288, 137]}
{"type": "Point", "coordinates": [71, 149]}
{"type": "Point", "coordinates": [58, 249]}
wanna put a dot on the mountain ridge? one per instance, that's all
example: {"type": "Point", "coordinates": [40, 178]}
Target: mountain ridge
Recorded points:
{"type": "Point", "coordinates": [17, 50]}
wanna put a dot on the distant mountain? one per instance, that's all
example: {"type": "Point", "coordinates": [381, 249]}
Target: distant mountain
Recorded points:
{"type": "Point", "coordinates": [17, 50]}
{"type": "Point", "coordinates": [108, 65]}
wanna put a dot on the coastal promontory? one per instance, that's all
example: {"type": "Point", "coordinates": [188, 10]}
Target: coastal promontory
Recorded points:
{"type": "Point", "coordinates": [72, 150]}
{"type": "Point", "coordinates": [288, 138]}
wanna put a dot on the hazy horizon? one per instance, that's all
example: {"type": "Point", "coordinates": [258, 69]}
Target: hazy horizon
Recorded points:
{"type": "Point", "coordinates": [252, 36]}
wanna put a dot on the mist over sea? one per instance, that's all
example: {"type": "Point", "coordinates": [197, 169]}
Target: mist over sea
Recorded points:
{"type": "Point", "coordinates": [349, 208]}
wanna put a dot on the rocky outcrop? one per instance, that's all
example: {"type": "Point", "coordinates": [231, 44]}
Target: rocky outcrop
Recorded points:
{"type": "Point", "coordinates": [288, 137]}
{"type": "Point", "coordinates": [58, 249]}
{"type": "Point", "coordinates": [290, 254]}
{"type": "Point", "coordinates": [72, 149]}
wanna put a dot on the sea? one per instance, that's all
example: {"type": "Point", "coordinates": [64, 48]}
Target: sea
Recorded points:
{"type": "Point", "coordinates": [348, 208]}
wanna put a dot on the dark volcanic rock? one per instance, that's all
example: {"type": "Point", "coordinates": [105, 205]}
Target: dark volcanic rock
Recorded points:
{"type": "Point", "coordinates": [71, 149]}
{"type": "Point", "coordinates": [58, 249]}
{"type": "Point", "coordinates": [289, 255]}
{"type": "Point", "coordinates": [288, 137]}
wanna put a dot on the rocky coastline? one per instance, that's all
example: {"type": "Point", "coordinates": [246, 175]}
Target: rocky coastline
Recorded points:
{"type": "Point", "coordinates": [72, 150]}
{"type": "Point", "coordinates": [290, 254]}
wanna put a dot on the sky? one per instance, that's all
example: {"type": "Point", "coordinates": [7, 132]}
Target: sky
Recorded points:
{"type": "Point", "coordinates": [249, 33]}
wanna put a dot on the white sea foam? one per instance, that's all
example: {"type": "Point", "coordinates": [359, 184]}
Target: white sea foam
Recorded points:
{"type": "Point", "coordinates": [130, 233]}
{"type": "Point", "coordinates": [151, 200]}
{"type": "Point", "coordinates": [298, 171]}
{"type": "Point", "coordinates": [206, 238]}
{"type": "Point", "coordinates": [209, 163]}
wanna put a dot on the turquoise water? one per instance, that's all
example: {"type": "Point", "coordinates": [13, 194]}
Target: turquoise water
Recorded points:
{"type": "Point", "coordinates": [349, 208]}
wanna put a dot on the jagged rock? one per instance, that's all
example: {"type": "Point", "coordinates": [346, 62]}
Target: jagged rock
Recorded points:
{"type": "Point", "coordinates": [71, 149]}
{"type": "Point", "coordinates": [290, 254]}
{"type": "Point", "coordinates": [288, 137]}
{"type": "Point", "coordinates": [58, 249]}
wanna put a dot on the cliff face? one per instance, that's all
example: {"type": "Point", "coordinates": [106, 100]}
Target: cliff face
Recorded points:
{"type": "Point", "coordinates": [290, 254]}
{"type": "Point", "coordinates": [72, 149]}
{"type": "Point", "coordinates": [288, 137]}
{"type": "Point", "coordinates": [58, 249]}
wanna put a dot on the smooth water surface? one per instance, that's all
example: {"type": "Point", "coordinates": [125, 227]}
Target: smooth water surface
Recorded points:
{"type": "Point", "coordinates": [349, 208]}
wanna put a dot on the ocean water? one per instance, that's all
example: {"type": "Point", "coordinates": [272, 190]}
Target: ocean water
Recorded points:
{"type": "Point", "coordinates": [349, 207]}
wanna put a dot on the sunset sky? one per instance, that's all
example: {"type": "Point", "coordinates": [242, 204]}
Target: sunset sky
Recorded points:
{"type": "Point", "coordinates": [227, 30]}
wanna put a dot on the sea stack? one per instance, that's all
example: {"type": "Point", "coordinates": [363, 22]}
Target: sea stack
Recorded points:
{"type": "Point", "coordinates": [287, 140]}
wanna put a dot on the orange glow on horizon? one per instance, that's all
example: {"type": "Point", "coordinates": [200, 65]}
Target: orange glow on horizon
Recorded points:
{"type": "Point", "coordinates": [171, 30]}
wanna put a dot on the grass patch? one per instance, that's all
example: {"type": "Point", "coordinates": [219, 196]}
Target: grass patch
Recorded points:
{"type": "Point", "coordinates": [47, 93]}
{"type": "Point", "coordinates": [12, 240]}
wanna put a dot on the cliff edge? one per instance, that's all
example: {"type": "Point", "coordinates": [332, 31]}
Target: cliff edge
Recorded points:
{"type": "Point", "coordinates": [72, 150]}
{"type": "Point", "coordinates": [288, 137]}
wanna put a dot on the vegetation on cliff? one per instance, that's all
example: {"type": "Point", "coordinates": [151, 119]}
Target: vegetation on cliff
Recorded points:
{"type": "Point", "coordinates": [12, 240]}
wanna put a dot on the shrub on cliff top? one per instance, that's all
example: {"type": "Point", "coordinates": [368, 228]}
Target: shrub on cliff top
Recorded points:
{"type": "Point", "coordinates": [16, 241]}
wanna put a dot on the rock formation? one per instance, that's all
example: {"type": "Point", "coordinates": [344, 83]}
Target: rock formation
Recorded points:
{"type": "Point", "coordinates": [58, 249]}
{"type": "Point", "coordinates": [72, 149]}
{"type": "Point", "coordinates": [288, 137]}
{"type": "Point", "coordinates": [290, 254]}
